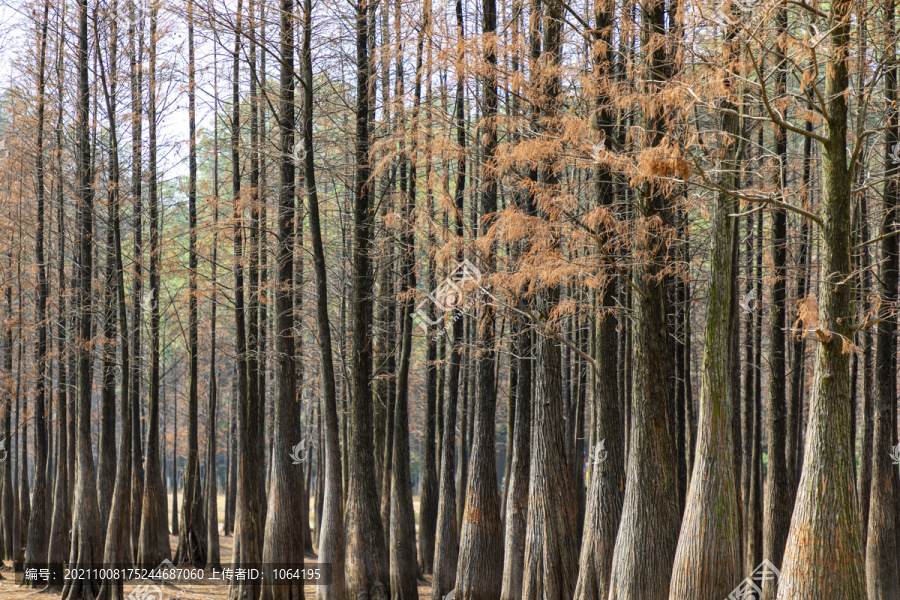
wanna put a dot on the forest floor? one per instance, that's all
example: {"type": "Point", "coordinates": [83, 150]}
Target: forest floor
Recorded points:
{"type": "Point", "coordinates": [10, 590]}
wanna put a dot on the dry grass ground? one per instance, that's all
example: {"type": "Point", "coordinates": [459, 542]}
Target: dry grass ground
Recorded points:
{"type": "Point", "coordinates": [9, 590]}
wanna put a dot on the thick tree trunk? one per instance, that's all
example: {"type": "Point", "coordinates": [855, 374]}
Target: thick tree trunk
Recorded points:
{"type": "Point", "coordinates": [708, 558]}
{"type": "Point", "coordinates": [153, 545]}
{"type": "Point", "coordinates": [366, 567]}
{"type": "Point", "coordinates": [446, 545]}
{"type": "Point", "coordinates": [551, 548]}
{"type": "Point", "coordinates": [36, 546]}
{"type": "Point", "coordinates": [479, 573]}
{"type": "Point", "coordinates": [85, 546]}
{"type": "Point", "coordinates": [286, 524]}
{"type": "Point", "coordinates": [824, 556]}
{"type": "Point", "coordinates": [648, 530]}
{"type": "Point", "coordinates": [136, 46]}
{"type": "Point", "coordinates": [213, 558]}
{"type": "Point", "coordinates": [331, 534]}
{"type": "Point", "coordinates": [61, 518]}
{"type": "Point", "coordinates": [881, 540]}
{"type": "Point", "coordinates": [778, 504]}
{"type": "Point", "coordinates": [192, 543]}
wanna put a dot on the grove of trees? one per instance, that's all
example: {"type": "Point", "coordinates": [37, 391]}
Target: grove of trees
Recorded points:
{"type": "Point", "coordinates": [518, 300]}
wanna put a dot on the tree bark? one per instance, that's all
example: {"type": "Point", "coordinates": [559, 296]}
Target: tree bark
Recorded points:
{"type": "Point", "coordinates": [823, 556]}
{"type": "Point", "coordinates": [36, 546]}
{"type": "Point", "coordinates": [153, 546]}
{"type": "Point", "coordinates": [881, 539]}
{"type": "Point", "coordinates": [85, 546]}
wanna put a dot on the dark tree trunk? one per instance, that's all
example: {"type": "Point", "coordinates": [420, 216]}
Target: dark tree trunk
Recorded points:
{"type": "Point", "coordinates": [213, 558]}
{"type": "Point", "coordinates": [708, 558]}
{"type": "Point", "coordinates": [36, 546]}
{"type": "Point", "coordinates": [231, 492]}
{"type": "Point", "coordinates": [174, 513]}
{"type": "Point", "coordinates": [881, 545]}
{"type": "Point", "coordinates": [192, 542]}
{"type": "Point", "coordinates": [85, 547]}
{"type": "Point", "coordinates": [286, 524]}
{"type": "Point", "coordinates": [446, 545]}
{"type": "Point", "coordinates": [61, 518]}
{"type": "Point", "coordinates": [248, 527]}
{"type": "Point", "coordinates": [480, 570]}
{"type": "Point", "coordinates": [366, 567]}
{"type": "Point", "coordinates": [331, 535]}
{"type": "Point", "coordinates": [136, 46]}
{"type": "Point", "coordinates": [153, 545]}
{"type": "Point", "coordinates": [648, 530]}
{"type": "Point", "coordinates": [607, 476]}
{"type": "Point", "coordinates": [826, 507]}
{"type": "Point", "coordinates": [106, 446]}
{"type": "Point", "coordinates": [8, 492]}
{"type": "Point", "coordinates": [402, 524]}
{"type": "Point", "coordinates": [117, 548]}
{"type": "Point", "coordinates": [778, 504]}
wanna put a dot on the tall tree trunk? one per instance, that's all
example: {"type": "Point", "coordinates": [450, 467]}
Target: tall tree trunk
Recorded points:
{"type": "Point", "coordinates": [428, 500]}
{"type": "Point", "coordinates": [366, 567]}
{"type": "Point", "coordinates": [192, 543]}
{"type": "Point", "coordinates": [446, 545]}
{"type": "Point", "coordinates": [117, 547]}
{"type": "Point", "coordinates": [881, 546]}
{"type": "Point", "coordinates": [832, 565]}
{"type": "Point", "coordinates": [136, 54]}
{"type": "Point", "coordinates": [648, 530]}
{"type": "Point", "coordinates": [551, 551]}
{"type": "Point", "coordinates": [778, 503]}
{"type": "Point", "coordinates": [61, 518]}
{"type": "Point", "coordinates": [708, 558]}
{"type": "Point", "coordinates": [607, 453]}
{"type": "Point", "coordinates": [248, 510]}
{"type": "Point", "coordinates": [867, 430]}
{"type": "Point", "coordinates": [213, 558]}
{"type": "Point", "coordinates": [85, 547]}
{"type": "Point", "coordinates": [153, 545]}
{"type": "Point", "coordinates": [479, 573]}
{"type": "Point", "coordinates": [38, 529]}
{"type": "Point", "coordinates": [285, 527]}
{"type": "Point", "coordinates": [331, 535]}
{"type": "Point", "coordinates": [402, 524]}
{"type": "Point", "coordinates": [10, 535]}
